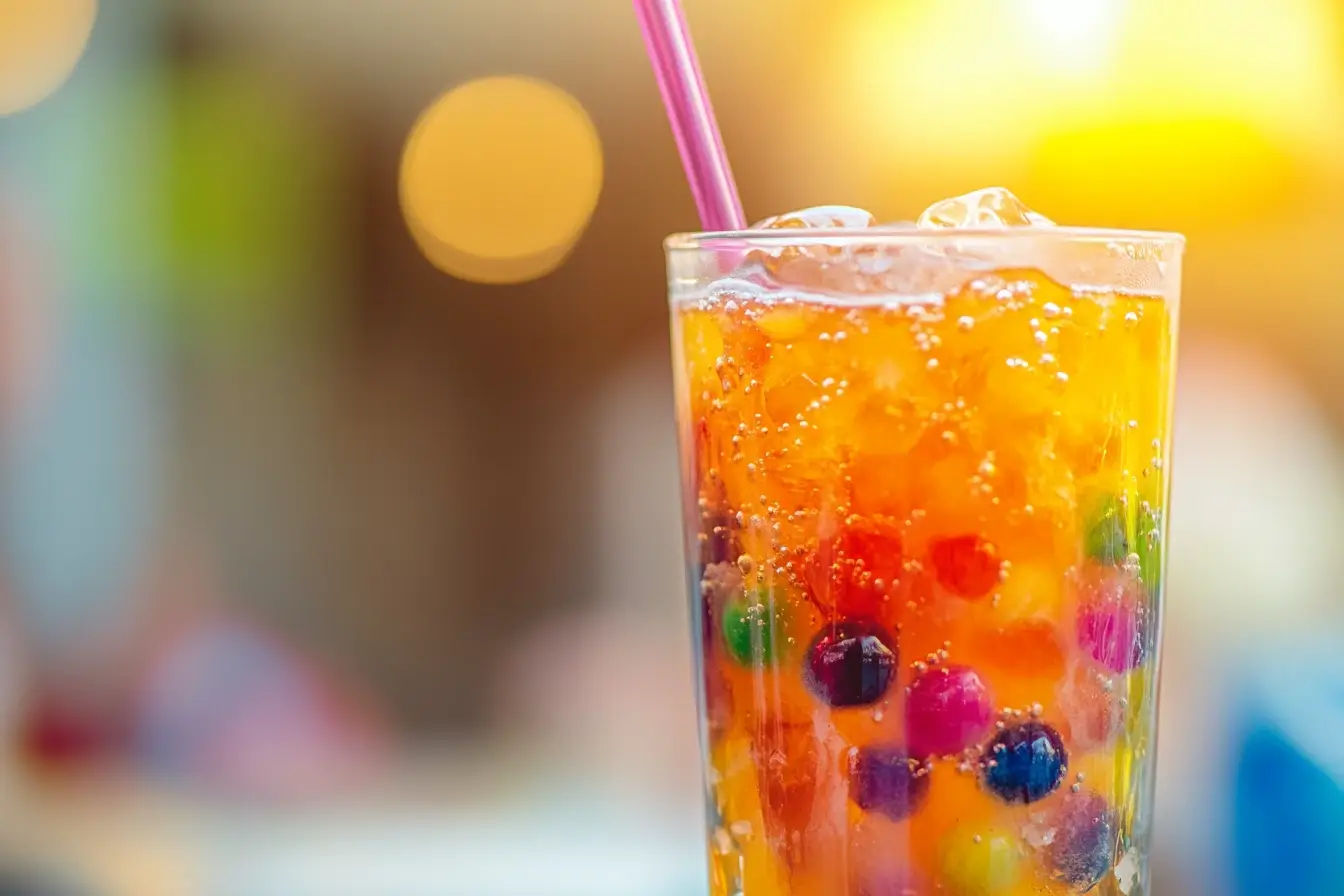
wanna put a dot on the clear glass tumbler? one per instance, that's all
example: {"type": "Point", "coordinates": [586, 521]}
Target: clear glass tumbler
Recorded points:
{"type": "Point", "coordinates": [926, 479]}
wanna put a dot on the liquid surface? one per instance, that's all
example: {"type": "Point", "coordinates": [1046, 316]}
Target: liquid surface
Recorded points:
{"type": "Point", "coordinates": [927, 566]}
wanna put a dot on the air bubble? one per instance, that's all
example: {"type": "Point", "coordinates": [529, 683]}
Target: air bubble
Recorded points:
{"type": "Point", "coordinates": [1050, 309]}
{"type": "Point", "coordinates": [966, 323]}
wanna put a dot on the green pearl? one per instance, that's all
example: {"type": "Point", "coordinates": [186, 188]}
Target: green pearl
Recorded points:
{"type": "Point", "coordinates": [750, 628]}
{"type": "Point", "coordinates": [1107, 542]}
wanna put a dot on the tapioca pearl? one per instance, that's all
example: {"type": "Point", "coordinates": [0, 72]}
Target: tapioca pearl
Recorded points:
{"type": "Point", "coordinates": [966, 565]}
{"type": "Point", "coordinates": [851, 663]}
{"type": "Point", "coordinates": [859, 570]}
{"type": "Point", "coordinates": [1083, 846]}
{"type": "Point", "coordinates": [751, 627]}
{"type": "Point", "coordinates": [948, 708]}
{"type": "Point", "coordinates": [1024, 762]}
{"type": "Point", "coordinates": [1106, 540]}
{"type": "Point", "coordinates": [887, 780]}
{"type": "Point", "coordinates": [1114, 618]}
{"type": "Point", "coordinates": [977, 860]}
{"type": "Point", "coordinates": [1114, 635]}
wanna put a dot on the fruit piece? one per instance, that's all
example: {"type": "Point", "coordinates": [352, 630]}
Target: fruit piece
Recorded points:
{"type": "Point", "coordinates": [1112, 619]}
{"type": "Point", "coordinates": [1089, 714]}
{"type": "Point", "coordinates": [807, 816]}
{"type": "Point", "coordinates": [851, 663]}
{"type": "Point", "coordinates": [979, 861]}
{"type": "Point", "coordinates": [786, 757]}
{"type": "Point", "coordinates": [948, 709]}
{"type": "Point", "coordinates": [854, 572]}
{"type": "Point", "coordinates": [1030, 591]}
{"type": "Point", "coordinates": [702, 345]}
{"type": "Point", "coordinates": [886, 780]}
{"type": "Point", "coordinates": [1082, 848]}
{"type": "Point", "coordinates": [750, 628]}
{"type": "Point", "coordinates": [1025, 763]}
{"type": "Point", "coordinates": [966, 565]}
{"type": "Point", "coordinates": [1106, 541]}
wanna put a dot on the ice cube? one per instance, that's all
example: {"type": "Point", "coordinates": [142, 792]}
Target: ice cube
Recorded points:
{"type": "Point", "coordinates": [829, 217]}
{"type": "Point", "coordinates": [989, 208]}
{"type": "Point", "coordinates": [819, 265]}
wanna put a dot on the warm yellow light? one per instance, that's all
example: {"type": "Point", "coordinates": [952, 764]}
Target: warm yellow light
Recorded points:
{"type": "Point", "coordinates": [1101, 102]}
{"type": "Point", "coordinates": [40, 43]}
{"type": "Point", "coordinates": [1073, 34]}
{"type": "Point", "coordinates": [499, 179]}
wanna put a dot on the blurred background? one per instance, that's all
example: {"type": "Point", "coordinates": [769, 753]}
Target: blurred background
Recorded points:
{"type": "Point", "coordinates": [338, 518]}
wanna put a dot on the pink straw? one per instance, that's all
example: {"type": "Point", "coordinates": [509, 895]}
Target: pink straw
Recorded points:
{"type": "Point", "coordinates": [688, 107]}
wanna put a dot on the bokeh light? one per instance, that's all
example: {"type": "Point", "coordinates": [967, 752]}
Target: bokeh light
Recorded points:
{"type": "Point", "coordinates": [499, 179]}
{"type": "Point", "coordinates": [1139, 107]}
{"type": "Point", "coordinates": [40, 43]}
{"type": "Point", "coordinates": [1074, 34]}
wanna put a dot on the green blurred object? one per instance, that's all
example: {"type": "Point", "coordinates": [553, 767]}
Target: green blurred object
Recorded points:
{"type": "Point", "coordinates": [224, 193]}
{"type": "Point", "coordinates": [254, 194]}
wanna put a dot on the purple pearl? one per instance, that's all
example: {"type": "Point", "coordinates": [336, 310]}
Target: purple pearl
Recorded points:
{"type": "Point", "coordinates": [1113, 634]}
{"type": "Point", "coordinates": [886, 780]}
{"type": "Point", "coordinates": [851, 663]}
{"type": "Point", "coordinates": [1083, 847]}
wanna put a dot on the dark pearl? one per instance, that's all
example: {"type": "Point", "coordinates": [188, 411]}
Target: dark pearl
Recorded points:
{"type": "Point", "coordinates": [851, 663]}
{"type": "Point", "coordinates": [884, 779]}
{"type": "Point", "coordinates": [1082, 849]}
{"type": "Point", "coordinates": [1025, 763]}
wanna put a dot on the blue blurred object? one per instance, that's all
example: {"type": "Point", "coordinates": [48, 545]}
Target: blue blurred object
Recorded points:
{"type": "Point", "coordinates": [1288, 795]}
{"type": "Point", "coordinates": [81, 485]}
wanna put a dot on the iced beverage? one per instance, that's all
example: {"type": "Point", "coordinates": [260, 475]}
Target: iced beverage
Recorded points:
{"type": "Point", "coordinates": [926, 474]}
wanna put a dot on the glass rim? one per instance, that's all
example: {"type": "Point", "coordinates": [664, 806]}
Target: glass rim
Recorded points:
{"type": "Point", "coordinates": [899, 235]}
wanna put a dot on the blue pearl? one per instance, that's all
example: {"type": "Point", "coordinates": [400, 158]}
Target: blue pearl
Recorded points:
{"type": "Point", "coordinates": [1025, 763]}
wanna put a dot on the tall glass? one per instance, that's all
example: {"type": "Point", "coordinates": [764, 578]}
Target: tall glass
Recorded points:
{"type": "Point", "coordinates": [926, 478]}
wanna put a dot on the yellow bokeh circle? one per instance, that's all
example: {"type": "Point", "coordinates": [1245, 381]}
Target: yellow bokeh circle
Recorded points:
{"type": "Point", "coordinates": [499, 179]}
{"type": "Point", "coordinates": [40, 43]}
